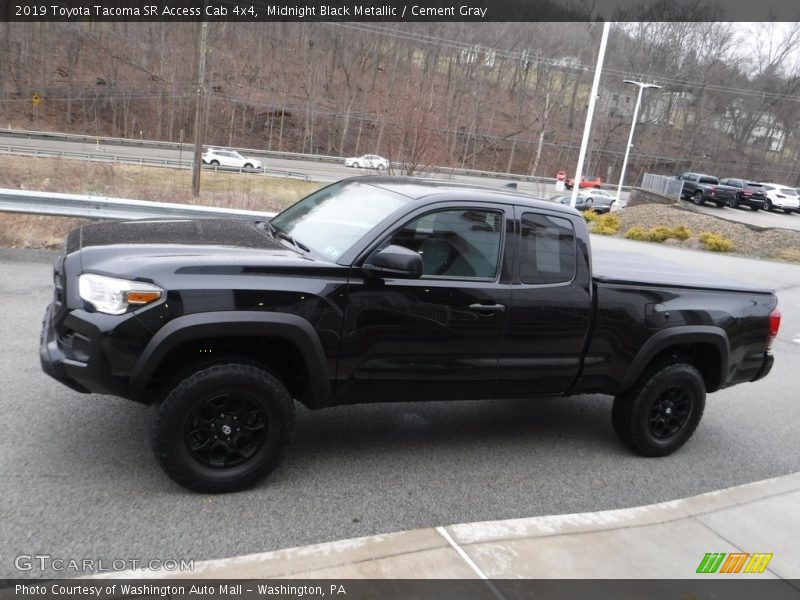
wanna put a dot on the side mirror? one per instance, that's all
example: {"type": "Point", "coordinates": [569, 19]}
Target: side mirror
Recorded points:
{"type": "Point", "coordinates": [394, 261]}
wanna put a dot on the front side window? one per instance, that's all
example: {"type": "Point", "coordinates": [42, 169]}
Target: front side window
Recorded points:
{"type": "Point", "coordinates": [455, 243]}
{"type": "Point", "coordinates": [548, 249]}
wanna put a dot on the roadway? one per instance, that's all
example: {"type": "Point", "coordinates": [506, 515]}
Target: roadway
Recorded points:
{"type": "Point", "coordinates": [330, 171]}
{"type": "Point", "coordinates": [79, 480]}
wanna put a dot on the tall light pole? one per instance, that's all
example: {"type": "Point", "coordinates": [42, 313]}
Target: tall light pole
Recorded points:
{"type": "Point", "coordinates": [587, 127]}
{"type": "Point", "coordinates": [642, 87]}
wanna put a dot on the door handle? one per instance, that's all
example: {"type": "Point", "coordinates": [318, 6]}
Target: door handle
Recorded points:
{"type": "Point", "coordinates": [487, 308]}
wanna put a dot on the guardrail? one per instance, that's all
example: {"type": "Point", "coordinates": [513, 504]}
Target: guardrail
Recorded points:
{"type": "Point", "coordinates": [116, 209]}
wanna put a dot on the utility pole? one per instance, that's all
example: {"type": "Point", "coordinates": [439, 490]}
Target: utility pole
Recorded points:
{"type": "Point", "coordinates": [198, 113]}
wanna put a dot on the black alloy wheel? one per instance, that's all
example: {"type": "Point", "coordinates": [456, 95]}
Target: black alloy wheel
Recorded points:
{"type": "Point", "coordinates": [223, 427]}
{"type": "Point", "coordinates": [225, 431]}
{"type": "Point", "coordinates": [661, 411]}
{"type": "Point", "coordinates": [669, 413]}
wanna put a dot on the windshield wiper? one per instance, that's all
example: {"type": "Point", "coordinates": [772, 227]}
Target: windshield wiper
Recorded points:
{"type": "Point", "coordinates": [285, 236]}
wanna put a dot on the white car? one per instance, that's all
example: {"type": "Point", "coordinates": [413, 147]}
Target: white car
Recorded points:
{"type": "Point", "coordinates": [781, 196]}
{"type": "Point", "coordinates": [229, 158]}
{"type": "Point", "coordinates": [368, 161]}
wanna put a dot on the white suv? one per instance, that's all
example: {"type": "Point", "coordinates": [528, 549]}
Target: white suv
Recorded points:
{"type": "Point", "coordinates": [229, 158]}
{"type": "Point", "coordinates": [781, 196]}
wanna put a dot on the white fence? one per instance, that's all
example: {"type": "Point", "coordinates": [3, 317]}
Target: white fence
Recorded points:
{"type": "Point", "coordinates": [662, 184]}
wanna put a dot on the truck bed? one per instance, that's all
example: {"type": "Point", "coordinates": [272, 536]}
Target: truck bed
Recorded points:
{"type": "Point", "coordinates": [630, 268]}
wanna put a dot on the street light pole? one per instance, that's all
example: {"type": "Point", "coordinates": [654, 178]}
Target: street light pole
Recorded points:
{"type": "Point", "coordinates": [642, 87]}
{"type": "Point", "coordinates": [587, 127]}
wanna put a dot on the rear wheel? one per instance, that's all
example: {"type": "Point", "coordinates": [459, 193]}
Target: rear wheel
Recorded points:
{"type": "Point", "coordinates": [753, 207]}
{"type": "Point", "coordinates": [661, 412]}
{"type": "Point", "coordinates": [788, 211]}
{"type": "Point", "coordinates": [380, 167]}
{"type": "Point", "coordinates": [697, 198]}
{"type": "Point", "coordinates": [356, 165]}
{"type": "Point", "coordinates": [215, 163]}
{"type": "Point", "coordinates": [768, 205]}
{"type": "Point", "coordinates": [719, 204]}
{"type": "Point", "coordinates": [223, 428]}
{"type": "Point", "coordinates": [734, 203]}
{"type": "Point", "coordinates": [248, 166]}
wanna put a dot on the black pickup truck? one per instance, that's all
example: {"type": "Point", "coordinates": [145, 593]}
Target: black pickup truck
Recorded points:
{"type": "Point", "coordinates": [700, 188]}
{"type": "Point", "coordinates": [380, 290]}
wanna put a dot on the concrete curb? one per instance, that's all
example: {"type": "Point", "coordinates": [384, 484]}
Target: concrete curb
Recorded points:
{"type": "Point", "coordinates": [664, 540]}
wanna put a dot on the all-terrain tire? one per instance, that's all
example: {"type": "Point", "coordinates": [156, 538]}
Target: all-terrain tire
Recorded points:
{"type": "Point", "coordinates": [223, 428]}
{"type": "Point", "coordinates": [662, 410]}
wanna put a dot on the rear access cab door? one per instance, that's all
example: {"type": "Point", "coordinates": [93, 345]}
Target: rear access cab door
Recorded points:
{"type": "Point", "coordinates": [551, 310]}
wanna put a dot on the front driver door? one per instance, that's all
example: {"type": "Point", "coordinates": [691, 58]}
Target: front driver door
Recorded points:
{"type": "Point", "coordinates": [438, 336]}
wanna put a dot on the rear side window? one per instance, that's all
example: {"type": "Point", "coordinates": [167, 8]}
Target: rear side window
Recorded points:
{"type": "Point", "coordinates": [548, 249]}
{"type": "Point", "coordinates": [711, 180]}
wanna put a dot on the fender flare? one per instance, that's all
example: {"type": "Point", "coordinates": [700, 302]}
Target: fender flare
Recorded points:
{"type": "Point", "coordinates": [674, 336]}
{"type": "Point", "coordinates": [291, 328]}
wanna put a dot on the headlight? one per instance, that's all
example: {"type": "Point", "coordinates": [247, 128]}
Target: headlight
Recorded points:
{"type": "Point", "coordinates": [115, 296]}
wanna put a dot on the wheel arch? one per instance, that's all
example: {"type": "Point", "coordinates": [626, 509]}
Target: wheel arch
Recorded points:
{"type": "Point", "coordinates": [298, 340]}
{"type": "Point", "coordinates": [704, 346]}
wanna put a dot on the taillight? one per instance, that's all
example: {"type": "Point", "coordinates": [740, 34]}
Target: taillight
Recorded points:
{"type": "Point", "coordinates": [774, 325]}
{"type": "Point", "coordinates": [746, 194]}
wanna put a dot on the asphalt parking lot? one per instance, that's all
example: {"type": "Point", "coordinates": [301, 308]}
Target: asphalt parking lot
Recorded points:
{"type": "Point", "coordinates": [79, 480]}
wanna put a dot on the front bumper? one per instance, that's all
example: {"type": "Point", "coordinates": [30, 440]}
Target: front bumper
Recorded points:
{"type": "Point", "coordinates": [75, 358]}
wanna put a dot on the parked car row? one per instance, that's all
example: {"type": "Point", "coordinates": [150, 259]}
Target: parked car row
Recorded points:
{"type": "Point", "coordinates": [734, 192]}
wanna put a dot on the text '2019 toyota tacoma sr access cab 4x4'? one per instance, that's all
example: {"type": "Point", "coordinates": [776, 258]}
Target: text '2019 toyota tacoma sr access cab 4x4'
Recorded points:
{"type": "Point", "coordinates": [381, 290]}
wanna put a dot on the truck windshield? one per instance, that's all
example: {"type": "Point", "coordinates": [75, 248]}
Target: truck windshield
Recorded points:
{"type": "Point", "coordinates": [331, 220]}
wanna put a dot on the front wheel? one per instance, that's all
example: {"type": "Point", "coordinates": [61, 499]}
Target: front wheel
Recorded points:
{"type": "Point", "coordinates": [733, 203]}
{"type": "Point", "coordinates": [223, 428]}
{"type": "Point", "coordinates": [697, 198]}
{"type": "Point", "coordinates": [380, 167]}
{"type": "Point", "coordinates": [214, 163]}
{"type": "Point", "coordinates": [248, 166]}
{"type": "Point", "coordinates": [768, 205]}
{"type": "Point", "coordinates": [661, 412]}
{"type": "Point", "coordinates": [754, 208]}
{"type": "Point", "coordinates": [356, 165]}
{"type": "Point", "coordinates": [788, 211]}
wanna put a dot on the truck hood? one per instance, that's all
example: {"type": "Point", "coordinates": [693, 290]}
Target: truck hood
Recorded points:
{"type": "Point", "coordinates": [142, 249]}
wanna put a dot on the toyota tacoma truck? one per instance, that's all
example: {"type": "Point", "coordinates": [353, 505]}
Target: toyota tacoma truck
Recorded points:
{"type": "Point", "coordinates": [385, 289]}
